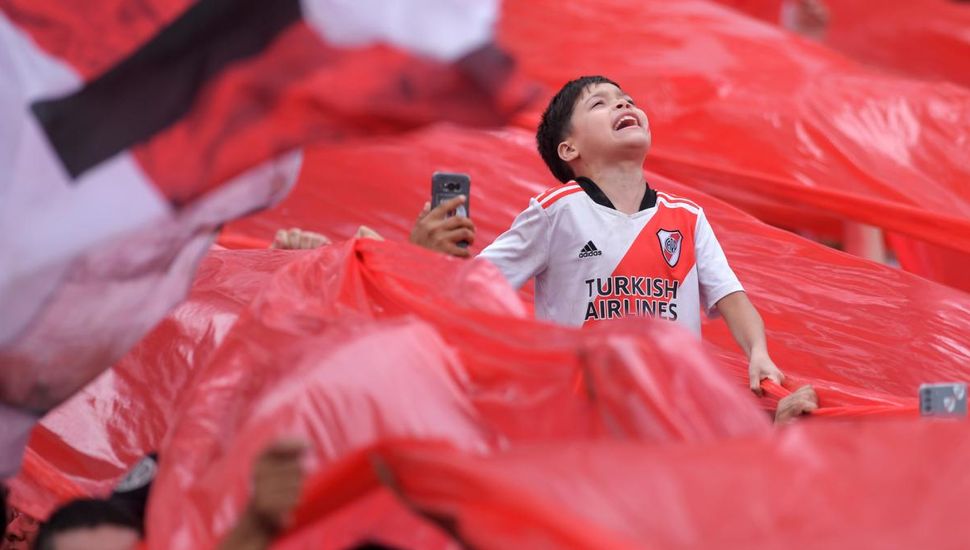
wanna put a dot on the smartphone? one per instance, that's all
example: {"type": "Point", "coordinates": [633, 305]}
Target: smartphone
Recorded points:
{"type": "Point", "coordinates": [446, 186]}
{"type": "Point", "coordinates": [945, 399]}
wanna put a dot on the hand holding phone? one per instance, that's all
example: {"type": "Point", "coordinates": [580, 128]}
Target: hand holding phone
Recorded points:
{"type": "Point", "coordinates": [446, 186]}
{"type": "Point", "coordinates": [444, 225]}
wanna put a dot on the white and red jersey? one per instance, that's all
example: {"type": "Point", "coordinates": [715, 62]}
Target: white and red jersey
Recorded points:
{"type": "Point", "coordinates": [592, 262]}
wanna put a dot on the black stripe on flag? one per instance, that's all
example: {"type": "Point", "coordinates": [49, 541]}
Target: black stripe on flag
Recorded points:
{"type": "Point", "coordinates": [158, 84]}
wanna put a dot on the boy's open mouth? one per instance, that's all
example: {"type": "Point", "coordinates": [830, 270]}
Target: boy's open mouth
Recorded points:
{"type": "Point", "coordinates": [626, 121]}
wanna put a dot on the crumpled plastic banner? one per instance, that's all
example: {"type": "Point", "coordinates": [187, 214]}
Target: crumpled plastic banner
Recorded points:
{"type": "Point", "coordinates": [824, 309]}
{"type": "Point", "coordinates": [238, 108]}
{"type": "Point", "coordinates": [813, 486]}
{"type": "Point", "coordinates": [361, 342]}
{"type": "Point", "coordinates": [922, 38]}
{"type": "Point", "coordinates": [884, 35]}
{"type": "Point", "coordinates": [628, 434]}
{"type": "Point", "coordinates": [787, 129]}
{"type": "Point", "coordinates": [364, 341]}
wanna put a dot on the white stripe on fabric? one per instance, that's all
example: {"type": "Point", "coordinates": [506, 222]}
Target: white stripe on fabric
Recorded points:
{"type": "Point", "coordinates": [671, 199]}
{"type": "Point", "coordinates": [46, 219]}
{"type": "Point", "coordinates": [441, 29]}
{"type": "Point", "coordinates": [672, 204]}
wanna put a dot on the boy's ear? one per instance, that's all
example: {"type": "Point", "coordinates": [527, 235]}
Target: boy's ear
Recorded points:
{"type": "Point", "coordinates": [567, 152]}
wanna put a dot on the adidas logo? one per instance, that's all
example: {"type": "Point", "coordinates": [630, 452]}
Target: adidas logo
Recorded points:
{"type": "Point", "coordinates": [589, 250]}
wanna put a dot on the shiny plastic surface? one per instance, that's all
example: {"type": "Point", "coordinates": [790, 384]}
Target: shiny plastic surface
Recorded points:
{"type": "Point", "coordinates": [627, 435]}
{"type": "Point", "coordinates": [364, 341]}
{"type": "Point", "coordinates": [821, 306]}
{"type": "Point", "coordinates": [925, 39]}
{"type": "Point", "coordinates": [813, 486]}
{"type": "Point", "coordinates": [922, 38]}
{"type": "Point", "coordinates": [297, 89]}
{"type": "Point", "coordinates": [787, 129]}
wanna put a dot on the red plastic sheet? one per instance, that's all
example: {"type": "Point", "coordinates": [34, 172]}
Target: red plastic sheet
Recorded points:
{"type": "Point", "coordinates": [366, 345]}
{"type": "Point", "coordinates": [792, 132]}
{"type": "Point", "coordinates": [258, 108]}
{"type": "Point", "coordinates": [811, 486]}
{"type": "Point", "coordinates": [360, 342]}
{"type": "Point", "coordinates": [923, 38]}
{"type": "Point", "coordinates": [86, 444]}
{"type": "Point", "coordinates": [908, 38]}
{"type": "Point", "coordinates": [825, 311]}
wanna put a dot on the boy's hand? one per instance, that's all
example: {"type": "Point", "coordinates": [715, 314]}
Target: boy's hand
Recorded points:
{"type": "Point", "coordinates": [434, 230]}
{"type": "Point", "coordinates": [801, 401]}
{"type": "Point", "coordinates": [761, 367]}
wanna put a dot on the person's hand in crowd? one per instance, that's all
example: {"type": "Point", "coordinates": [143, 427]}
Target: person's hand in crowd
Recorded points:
{"type": "Point", "coordinates": [435, 230]}
{"type": "Point", "coordinates": [277, 481]}
{"type": "Point", "coordinates": [801, 401]}
{"type": "Point", "coordinates": [761, 367]}
{"type": "Point", "coordinates": [20, 532]}
{"type": "Point", "coordinates": [807, 17]}
{"type": "Point", "coordinates": [364, 232]}
{"type": "Point", "coordinates": [298, 239]}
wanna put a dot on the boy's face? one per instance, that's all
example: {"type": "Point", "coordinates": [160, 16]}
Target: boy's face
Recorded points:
{"type": "Point", "coordinates": [606, 126]}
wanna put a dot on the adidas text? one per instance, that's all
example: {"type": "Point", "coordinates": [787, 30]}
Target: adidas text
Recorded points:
{"type": "Point", "coordinates": [589, 250]}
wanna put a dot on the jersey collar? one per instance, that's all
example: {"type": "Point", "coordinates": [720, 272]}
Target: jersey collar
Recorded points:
{"type": "Point", "coordinates": [599, 197]}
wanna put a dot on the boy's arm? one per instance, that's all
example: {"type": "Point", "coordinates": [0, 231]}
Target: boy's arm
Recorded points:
{"type": "Point", "coordinates": [520, 253]}
{"type": "Point", "coordinates": [723, 294]}
{"type": "Point", "coordinates": [749, 331]}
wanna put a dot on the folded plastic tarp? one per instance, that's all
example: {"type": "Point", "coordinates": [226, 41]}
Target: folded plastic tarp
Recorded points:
{"type": "Point", "coordinates": [791, 131]}
{"type": "Point", "coordinates": [825, 311]}
{"type": "Point", "coordinates": [923, 38]}
{"type": "Point", "coordinates": [359, 343]}
{"type": "Point", "coordinates": [356, 343]}
{"type": "Point", "coordinates": [132, 172]}
{"type": "Point", "coordinates": [809, 486]}
{"type": "Point", "coordinates": [82, 447]}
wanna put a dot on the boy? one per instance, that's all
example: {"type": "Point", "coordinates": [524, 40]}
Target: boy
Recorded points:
{"type": "Point", "coordinates": [605, 245]}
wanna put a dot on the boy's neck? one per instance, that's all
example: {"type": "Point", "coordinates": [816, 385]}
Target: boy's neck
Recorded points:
{"type": "Point", "coordinates": [622, 182]}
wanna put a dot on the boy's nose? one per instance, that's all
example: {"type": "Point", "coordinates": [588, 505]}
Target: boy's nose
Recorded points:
{"type": "Point", "coordinates": [621, 104]}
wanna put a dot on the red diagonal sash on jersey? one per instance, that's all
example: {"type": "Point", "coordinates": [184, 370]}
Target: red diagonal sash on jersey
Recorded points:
{"type": "Point", "coordinates": [648, 278]}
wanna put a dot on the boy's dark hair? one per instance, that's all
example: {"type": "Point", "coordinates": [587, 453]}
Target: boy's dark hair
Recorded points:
{"type": "Point", "coordinates": [554, 125]}
{"type": "Point", "coordinates": [84, 514]}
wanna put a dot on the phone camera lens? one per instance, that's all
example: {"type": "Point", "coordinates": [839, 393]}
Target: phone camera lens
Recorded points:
{"type": "Point", "coordinates": [451, 186]}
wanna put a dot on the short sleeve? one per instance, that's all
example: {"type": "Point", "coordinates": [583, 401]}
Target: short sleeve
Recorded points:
{"type": "Point", "coordinates": [522, 252]}
{"type": "Point", "coordinates": [714, 276]}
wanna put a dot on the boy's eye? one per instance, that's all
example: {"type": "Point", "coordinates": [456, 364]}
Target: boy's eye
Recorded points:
{"type": "Point", "coordinates": [598, 103]}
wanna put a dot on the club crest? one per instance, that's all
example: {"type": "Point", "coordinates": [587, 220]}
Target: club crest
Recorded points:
{"type": "Point", "coordinates": [670, 245]}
